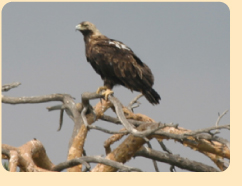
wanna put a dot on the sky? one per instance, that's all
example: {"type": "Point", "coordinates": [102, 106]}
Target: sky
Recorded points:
{"type": "Point", "coordinates": [186, 46]}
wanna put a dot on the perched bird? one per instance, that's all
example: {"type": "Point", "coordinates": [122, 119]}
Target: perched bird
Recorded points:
{"type": "Point", "coordinates": [117, 64]}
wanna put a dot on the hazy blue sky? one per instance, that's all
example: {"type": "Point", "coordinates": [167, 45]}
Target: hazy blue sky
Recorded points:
{"type": "Point", "coordinates": [186, 45]}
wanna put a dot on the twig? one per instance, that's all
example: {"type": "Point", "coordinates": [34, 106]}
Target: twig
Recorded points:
{"type": "Point", "coordinates": [164, 147]}
{"type": "Point", "coordinates": [154, 162]}
{"type": "Point", "coordinates": [173, 168]}
{"type": "Point", "coordinates": [61, 108]}
{"type": "Point", "coordinates": [56, 107]}
{"type": "Point", "coordinates": [61, 119]}
{"type": "Point", "coordinates": [135, 100]}
{"type": "Point", "coordinates": [7, 87]}
{"type": "Point", "coordinates": [219, 118]}
{"type": "Point", "coordinates": [88, 167]}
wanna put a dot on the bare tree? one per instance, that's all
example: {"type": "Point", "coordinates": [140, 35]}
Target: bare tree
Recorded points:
{"type": "Point", "coordinates": [138, 130]}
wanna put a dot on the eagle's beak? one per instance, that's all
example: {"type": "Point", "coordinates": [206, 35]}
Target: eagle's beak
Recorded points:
{"type": "Point", "coordinates": [78, 27]}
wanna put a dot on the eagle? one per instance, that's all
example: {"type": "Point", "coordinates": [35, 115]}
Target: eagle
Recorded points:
{"type": "Point", "coordinates": [117, 64]}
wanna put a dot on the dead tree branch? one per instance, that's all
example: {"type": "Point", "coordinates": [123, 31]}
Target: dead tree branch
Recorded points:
{"type": "Point", "coordinates": [132, 143]}
{"type": "Point", "coordinates": [140, 128]}
{"type": "Point", "coordinates": [94, 159]}
{"type": "Point", "coordinates": [13, 161]}
{"type": "Point", "coordinates": [113, 139]}
{"type": "Point", "coordinates": [76, 147]}
{"type": "Point", "coordinates": [175, 160]}
{"type": "Point", "coordinates": [131, 105]}
{"type": "Point", "coordinates": [7, 87]}
{"type": "Point", "coordinates": [220, 116]}
{"type": "Point", "coordinates": [153, 160]}
{"type": "Point", "coordinates": [34, 99]}
{"type": "Point", "coordinates": [32, 157]}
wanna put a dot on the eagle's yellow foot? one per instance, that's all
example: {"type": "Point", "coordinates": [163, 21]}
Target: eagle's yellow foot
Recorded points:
{"type": "Point", "coordinates": [106, 93]}
{"type": "Point", "coordinates": [100, 89]}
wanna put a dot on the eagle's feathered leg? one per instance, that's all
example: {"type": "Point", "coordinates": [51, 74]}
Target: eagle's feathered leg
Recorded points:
{"type": "Point", "coordinates": [106, 93]}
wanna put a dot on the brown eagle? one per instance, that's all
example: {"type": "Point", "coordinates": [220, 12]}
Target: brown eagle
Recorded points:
{"type": "Point", "coordinates": [117, 64]}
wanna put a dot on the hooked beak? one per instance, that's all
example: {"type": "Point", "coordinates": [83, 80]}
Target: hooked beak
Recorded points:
{"type": "Point", "coordinates": [78, 27]}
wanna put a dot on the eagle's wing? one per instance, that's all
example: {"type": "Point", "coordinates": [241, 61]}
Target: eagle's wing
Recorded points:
{"type": "Point", "coordinates": [114, 59]}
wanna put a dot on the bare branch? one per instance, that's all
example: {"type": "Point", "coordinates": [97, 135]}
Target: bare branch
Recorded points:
{"type": "Point", "coordinates": [32, 157]}
{"type": "Point", "coordinates": [76, 148]}
{"type": "Point", "coordinates": [135, 100]}
{"type": "Point", "coordinates": [86, 96]}
{"type": "Point", "coordinates": [220, 117]}
{"type": "Point", "coordinates": [154, 162]}
{"type": "Point", "coordinates": [56, 107]}
{"type": "Point", "coordinates": [94, 159]}
{"type": "Point", "coordinates": [201, 145]}
{"type": "Point", "coordinates": [120, 114]}
{"type": "Point", "coordinates": [112, 139]}
{"type": "Point", "coordinates": [67, 100]}
{"type": "Point", "coordinates": [164, 148]}
{"type": "Point", "coordinates": [217, 159]}
{"type": "Point", "coordinates": [111, 119]}
{"type": "Point", "coordinates": [33, 99]}
{"type": "Point", "coordinates": [124, 121]}
{"type": "Point", "coordinates": [7, 87]}
{"type": "Point", "coordinates": [207, 130]}
{"type": "Point", "coordinates": [106, 130]}
{"type": "Point", "coordinates": [117, 121]}
{"type": "Point", "coordinates": [176, 160]}
{"type": "Point", "coordinates": [61, 119]}
{"type": "Point", "coordinates": [132, 143]}
{"type": "Point", "coordinates": [70, 163]}
{"type": "Point", "coordinates": [186, 133]}
{"type": "Point", "coordinates": [82, 119]}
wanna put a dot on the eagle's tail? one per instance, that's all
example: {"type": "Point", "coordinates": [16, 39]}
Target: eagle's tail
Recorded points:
{"type": "Point", "coordinates": [152, 96]}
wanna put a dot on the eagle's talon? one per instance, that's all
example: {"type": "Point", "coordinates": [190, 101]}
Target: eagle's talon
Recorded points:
{"type": "Point", "coordinates": [100, 89]}
{"type": "Point", "coordinates": [107, 93]}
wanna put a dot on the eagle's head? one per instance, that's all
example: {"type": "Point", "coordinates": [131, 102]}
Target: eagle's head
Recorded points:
{"type": "Point", "coordinates": [86, 27]}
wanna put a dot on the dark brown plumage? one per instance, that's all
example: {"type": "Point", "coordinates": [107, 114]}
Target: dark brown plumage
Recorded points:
{"type": "Point", "coordinates": [116, 63]}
